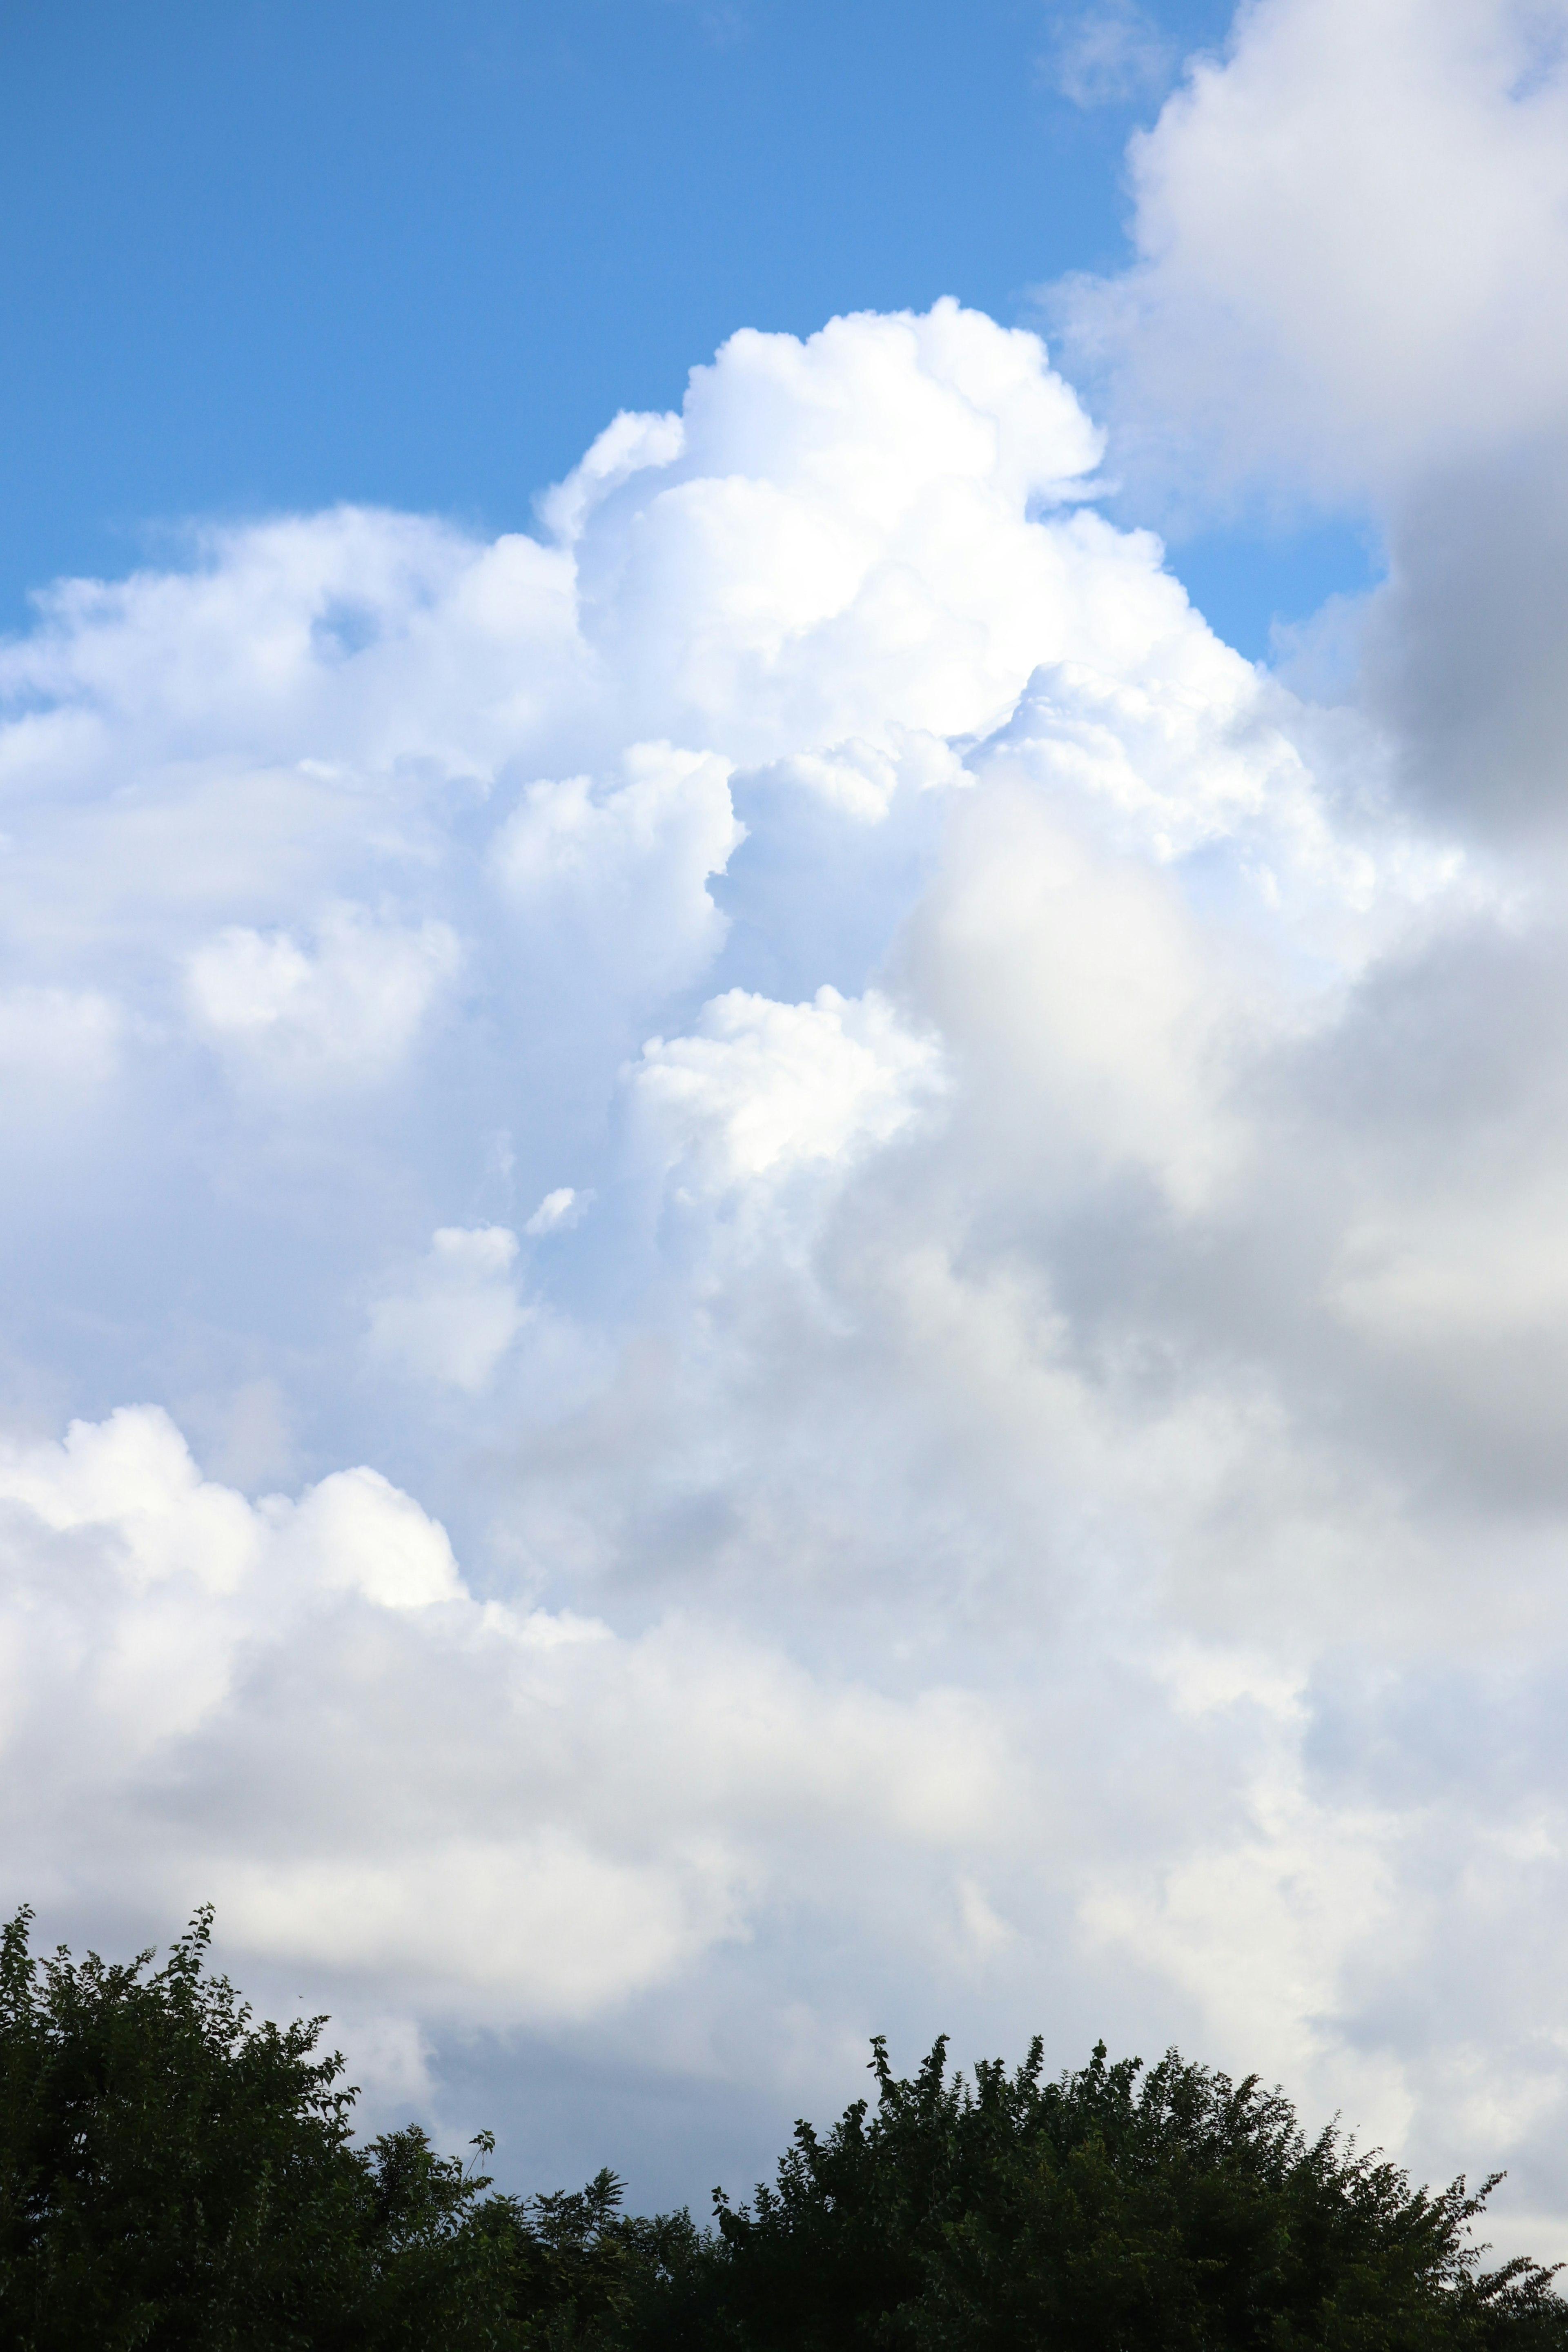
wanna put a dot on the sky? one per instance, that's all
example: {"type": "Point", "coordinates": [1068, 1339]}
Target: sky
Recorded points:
{"type": "Point", "coordinates": [783, 863]}
{"type": "Point", "coordinates": [277, 256]}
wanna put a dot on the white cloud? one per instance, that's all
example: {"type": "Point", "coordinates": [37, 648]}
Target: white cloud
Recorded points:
{"type": "Point", "coordinates": [1043, 1471]}
{"type": "Point", "coordinates": [345, 1014]}
{"type": "Point", "coordinates": [356, 1531]}
{"type": "Point", "coordinates": [557, 1210]}
{"type": "Point", "coordinates": [577, 1815]}
{"type": "Point", "coordinates": [837, 540]}
{"type": "Point", "coordinates": [460, 1312]}
{"type": "Point", "coordinates": [615, 882]}
{"type": "Point", "coordinates": [1352, 246]}
{"type": "Point", "coordinates": [761, 1089]}
{"type": "Point", "coordinates": [1352, 251]}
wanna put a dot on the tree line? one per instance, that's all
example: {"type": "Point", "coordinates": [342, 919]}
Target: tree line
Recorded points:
{"type": "Point", "coordinates": [177, 2176]}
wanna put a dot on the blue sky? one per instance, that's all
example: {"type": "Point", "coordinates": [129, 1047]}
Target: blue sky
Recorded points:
{"type": "Point", "coordinates": [271, 256]}
{"type": "Point", "coordinates": [775, 1263]}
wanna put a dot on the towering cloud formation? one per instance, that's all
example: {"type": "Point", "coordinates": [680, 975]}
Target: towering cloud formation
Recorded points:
{"type": "Point", "coordinates": [929, 1206]}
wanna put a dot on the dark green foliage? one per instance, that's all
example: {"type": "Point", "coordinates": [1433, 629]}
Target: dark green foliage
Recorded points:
{"type": "Point", "coordinates": [170, 2175]}
{"type": "Point", "coordinates": [1113, 2211]}
{"type": "Point", "coordinates": [173, 2175]}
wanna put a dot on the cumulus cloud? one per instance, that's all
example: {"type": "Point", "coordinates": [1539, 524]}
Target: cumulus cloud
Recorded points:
{"type": "Point", "coordinates": [212, 1669]}
{"type": "Point", "coordinates": [1351, 244]}
{"type": "Point", "coordinates": [1048, 1447]}
{"type": "Point", "coordinates": [761, 1089]}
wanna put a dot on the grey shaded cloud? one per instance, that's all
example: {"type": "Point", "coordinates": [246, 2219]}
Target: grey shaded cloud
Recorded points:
{"type": "Point", "coordinates": [1461, 649]}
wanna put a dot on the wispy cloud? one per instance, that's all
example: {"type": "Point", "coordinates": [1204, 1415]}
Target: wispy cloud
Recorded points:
{"type": "Point", "coordinates": [1112, 54]}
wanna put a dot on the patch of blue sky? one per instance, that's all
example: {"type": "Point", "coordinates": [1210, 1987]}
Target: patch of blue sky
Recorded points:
{"type": "Point", "coordinates": [278, 255]}
{"type": "Point", "coordinates": [1255, 583]}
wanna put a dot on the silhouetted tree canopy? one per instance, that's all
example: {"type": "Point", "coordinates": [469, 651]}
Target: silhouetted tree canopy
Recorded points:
{"type": "Point", "coordinates": [174, 2174]}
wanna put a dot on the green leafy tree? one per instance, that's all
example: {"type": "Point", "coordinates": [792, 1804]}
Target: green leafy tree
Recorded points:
{"type": "Point", "coordinates": [175, 2175]}
{"type": "Point", "coordinates": [1112, 2210]}
{"type": "Point", "coordinates": [170, 2173]}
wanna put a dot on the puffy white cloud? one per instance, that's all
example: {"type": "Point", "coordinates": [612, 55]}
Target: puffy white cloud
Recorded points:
{"type": "Point", "coordinates": [1049, 1445]}
{"type": "Point", "coordinates": [836, 538]}
{"type": "Point", "coordinates": [761, 1089]}
{"type": "Point", "coordinates": [298, 1707]}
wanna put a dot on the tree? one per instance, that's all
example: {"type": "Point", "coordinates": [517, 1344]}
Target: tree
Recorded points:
{"type": "Point", "coordinates": [1112, 2210]}
{"type": "Point", "coordinates": [175, 2175]}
